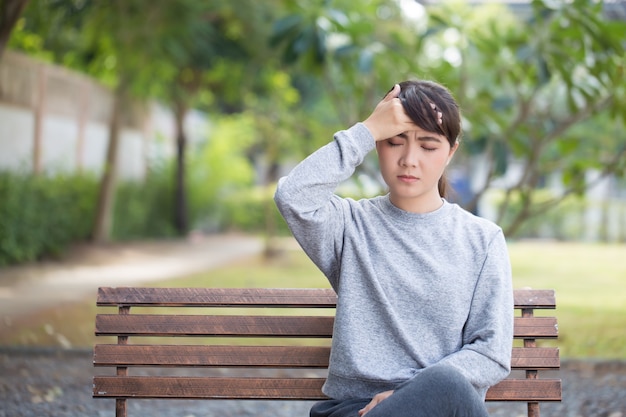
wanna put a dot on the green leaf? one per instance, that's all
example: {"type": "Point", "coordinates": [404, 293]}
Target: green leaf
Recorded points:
{"type": "Point", "coordinates": [285, 29]}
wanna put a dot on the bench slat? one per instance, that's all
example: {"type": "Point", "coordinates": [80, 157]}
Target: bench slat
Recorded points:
{"type": "Point", "coordinates": [539, 299]}
{"type": "Point", "coordinates": [208, 388]}
{"type": "Point", "coordinates": [264, 297]}
{"type": "Point", "coordinates": [273, 326]}
{"type": "Point", "coordinates": [265, 356]}
{"type": "Point", "coordinates": [526, 390]}
{"type": "Point", "coordinates": [218, 297]}
{"type": "Point", "coordinates": [535, 328]}
{"type": "Point", "coordinates": [217, 356]}
{"type": "Point", "coordinates": [282, 388]}
{"type": "Point", "coordinates": [536, 358]}
{"type": "Point", "coordinates": [178, 325]}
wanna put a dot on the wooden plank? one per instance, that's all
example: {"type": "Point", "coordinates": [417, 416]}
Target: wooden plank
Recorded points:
{"type": "Point", "coordinates": [271, 326]}
{"type": "Point", "coordinates": [218, 297]}
{"type": "Point", "coordinates": [535, 358]}
{"type": "Point", "coordinates": [535, 328]}
{"type": "Point", "coordinates": [539, 299]}
{"type": "Point", "coordinates": [212, 356]}
{"type": "Point", "coordinates": [179, 325]}
{"type": "Point", "coordinates": [208, 388]}
{"type": "Point", "coordinates": [282, 388]}
{"type": "Point", "coordinates": [265, 356]}
{"type": "Point", "coordinates": [264, 297]}
{"type": "Point", "coordinates": [526, 390]}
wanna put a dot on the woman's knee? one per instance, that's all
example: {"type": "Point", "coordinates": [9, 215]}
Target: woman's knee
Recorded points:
{"type": "Point", "coordinates": [445, 378]}
{"type": "Point", "coordinates": [442, 391]}
{"type": "Point", "coordinates": [441, 384]}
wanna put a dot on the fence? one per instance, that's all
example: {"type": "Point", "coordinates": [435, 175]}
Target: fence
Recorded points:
{"type": "Point", "coordinates": [53, 119]}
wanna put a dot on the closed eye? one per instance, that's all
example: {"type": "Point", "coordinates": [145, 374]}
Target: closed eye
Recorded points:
{"type": "Point", "coordinates": [395, 142]}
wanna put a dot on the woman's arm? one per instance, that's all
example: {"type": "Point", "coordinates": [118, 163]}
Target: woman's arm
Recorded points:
{"type": "Point", "coordinates": [485, 357]}
{"type": "Point", "coordinates": [306, 199]}
{"type": "Point", "coordinates": [306, 196]}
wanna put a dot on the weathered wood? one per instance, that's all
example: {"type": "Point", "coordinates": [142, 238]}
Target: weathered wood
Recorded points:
{"type": "Point", "coordinates": [275, 326]}
{"type": "Point", "coordinates": [218, 297]}
{"type": "Point", "coordinates": [209, 388]}
{"type": "Point", "coordinates": [265, 356]}
{"type": "Point", "coordinates": [526, 390]}
{"type": "Point", "coordinates": [540, 299]}
{"type": "Point", "coordinates": [212, 356]}
{"type": "Point", "coordinates": [282, 388]}
{"type": "Point", "coordinates": [247, 354]}
{"type": "Point", "coordinates": [535, 358]}
{"type": "Point", "coordinates": [179, 325]}
{"type": "Point", "coordinates": [263, 297]}
{"type": "Point", "coordinates": [535, 328]}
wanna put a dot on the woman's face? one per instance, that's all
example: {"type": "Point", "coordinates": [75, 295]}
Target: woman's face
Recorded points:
{"type": "Point", "coordinates": [411, 165]}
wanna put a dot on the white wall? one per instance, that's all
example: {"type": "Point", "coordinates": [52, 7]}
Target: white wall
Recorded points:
{"type": "Point", "coordinates": [68, 100]}
{"type": "Point", "coordinates": [16, 138]}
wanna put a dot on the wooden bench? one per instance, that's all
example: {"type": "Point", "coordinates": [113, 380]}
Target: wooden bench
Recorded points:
{"type": "Point", "coordinates": [242, 343]}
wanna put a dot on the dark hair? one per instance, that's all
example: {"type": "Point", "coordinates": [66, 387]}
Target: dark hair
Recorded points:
{"type": "Point", "coordinates": [417, 97]}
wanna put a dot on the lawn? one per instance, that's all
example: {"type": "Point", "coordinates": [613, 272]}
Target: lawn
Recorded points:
{"type": "Point", "coordinates": [589, 279]}
{"type": "Point", "coordinates": [590, 284]}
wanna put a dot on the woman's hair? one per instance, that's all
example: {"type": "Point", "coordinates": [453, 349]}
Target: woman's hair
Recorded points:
{"type": "Point", "coordinates": [423, 101]}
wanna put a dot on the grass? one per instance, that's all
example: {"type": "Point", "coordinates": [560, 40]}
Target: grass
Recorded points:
{"type": "Point", "coordinates": [590, 284]}
{"type": "Point", "coordinates": [589, 279]}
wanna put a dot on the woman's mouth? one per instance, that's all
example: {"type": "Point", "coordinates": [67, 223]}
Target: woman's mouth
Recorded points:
{"type": "Point", "coordinates": [407, 178]}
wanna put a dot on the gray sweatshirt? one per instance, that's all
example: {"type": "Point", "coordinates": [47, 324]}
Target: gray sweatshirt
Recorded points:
{"type": "Point", "coordinates": [414, 290]}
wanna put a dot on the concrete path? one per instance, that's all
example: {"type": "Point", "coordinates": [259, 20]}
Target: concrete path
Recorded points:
{"type": "Point", "coordinates": [28, 288]}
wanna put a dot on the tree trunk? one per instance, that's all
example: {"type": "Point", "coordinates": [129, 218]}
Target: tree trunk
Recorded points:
{"type": "Point", "coordinates": [10, 12]}
{"type": "Point", "coordinates": [181, 220]}
{"type": "Point", "coordinates": [106, 199]}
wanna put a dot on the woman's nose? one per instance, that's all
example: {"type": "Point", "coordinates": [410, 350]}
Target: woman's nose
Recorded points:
{"type": "Point", "coordinates": [408, 158]}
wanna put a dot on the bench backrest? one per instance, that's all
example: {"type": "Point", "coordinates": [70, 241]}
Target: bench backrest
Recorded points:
{"type": "Point", "coordinates": [246, 329]}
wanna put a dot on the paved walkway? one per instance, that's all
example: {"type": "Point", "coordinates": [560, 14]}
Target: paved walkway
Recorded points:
{"type": "Point", "coordinates": [28, 288]}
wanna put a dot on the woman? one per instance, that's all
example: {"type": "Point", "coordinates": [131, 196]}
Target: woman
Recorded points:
{"type": "Point", "coordinates": [424, 316]}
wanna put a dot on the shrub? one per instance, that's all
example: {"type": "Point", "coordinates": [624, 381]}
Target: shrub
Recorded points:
{"type": "Point", "coordinates": [145, 209]}
{"type": "Point", "coordinates": [41, 215]}
{"type": "Point", "coordinates": [252, 210]}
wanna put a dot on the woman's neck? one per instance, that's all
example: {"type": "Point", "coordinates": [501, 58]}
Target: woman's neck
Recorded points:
{"type": "Point", "coordinates": [420, 205]}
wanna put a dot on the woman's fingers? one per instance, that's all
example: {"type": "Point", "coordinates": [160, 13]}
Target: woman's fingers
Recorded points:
{"type": "Point", "coordinates": [393, 93]}
{"type": "Point", "coordinates": [388, 117]}
{"type": "Point", "coordinates": [377, 399]}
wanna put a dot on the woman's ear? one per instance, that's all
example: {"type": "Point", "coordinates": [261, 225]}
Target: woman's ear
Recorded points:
{"type": "Point", "coordinates": [452, 151]}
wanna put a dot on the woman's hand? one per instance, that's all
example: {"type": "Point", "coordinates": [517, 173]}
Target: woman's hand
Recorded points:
{"type": "Point", "coordinates": [377, 399]}
{"type": "Point", "coordinates": [389, 118]}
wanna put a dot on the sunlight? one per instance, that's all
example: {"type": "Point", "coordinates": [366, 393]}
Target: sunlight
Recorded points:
{"type": "Point", "coordinates": [412, 11]}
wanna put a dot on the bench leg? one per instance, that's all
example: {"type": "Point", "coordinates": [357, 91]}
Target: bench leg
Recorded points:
{"type": "Point", "coordinates": [120, 408]}
{"type": "Point", "coordinates": [533, 410]}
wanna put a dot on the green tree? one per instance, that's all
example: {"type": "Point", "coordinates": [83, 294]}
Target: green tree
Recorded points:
{"type": "Point", "coordinates": [523, 85]}
{"type": "Point", "coordinates": [125, 45]}
{"type": "Point", "coordinates": [211, 71]}
{"type": "Point", "coordinates": [142, 51]}
{"type": "Point", "coordinates": [356, 49]}
{"type": "Point", "coordinates": [10, 11]}
{"type": "Point", "coordinates": [526, 88]}
{"type": "Point", "coordinates": [218, 168]}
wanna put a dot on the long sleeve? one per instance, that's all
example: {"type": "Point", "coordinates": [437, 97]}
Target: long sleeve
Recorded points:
{"type": "Point", "coordinates": [485, 357]}
{"type": "Point", "coordinates": [307, 201]}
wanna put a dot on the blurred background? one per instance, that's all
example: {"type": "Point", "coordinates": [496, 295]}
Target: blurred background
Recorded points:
{"type": "Point", "coordinates": [131, 119]}
{"type": "Point", "coordinates": [131, 125]}
{"type": "Point", "coordinates": [125, 121]}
